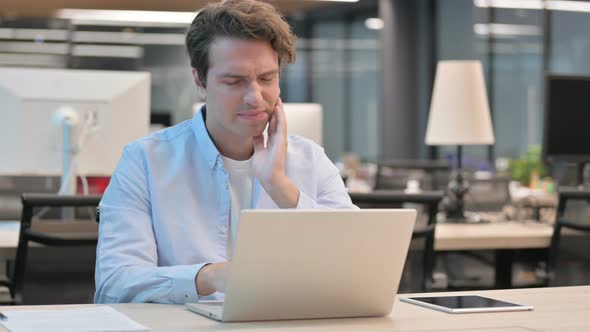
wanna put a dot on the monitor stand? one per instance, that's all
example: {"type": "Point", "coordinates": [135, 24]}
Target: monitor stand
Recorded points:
{"type": "Point", "coordinates": [67, 118]}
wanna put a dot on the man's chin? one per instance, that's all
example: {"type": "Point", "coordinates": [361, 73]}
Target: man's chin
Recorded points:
{"type": "Point", "coordinates": [258, 133]}
{"type": "Point", "coordinates": [254, 131]}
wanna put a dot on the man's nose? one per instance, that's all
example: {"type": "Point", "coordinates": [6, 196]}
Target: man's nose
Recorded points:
{"type": "Point", "coordinates": [253, 94]}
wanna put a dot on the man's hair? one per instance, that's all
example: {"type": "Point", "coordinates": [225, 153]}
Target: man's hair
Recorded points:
{"type": "Point", "coordinates": [242, 19]}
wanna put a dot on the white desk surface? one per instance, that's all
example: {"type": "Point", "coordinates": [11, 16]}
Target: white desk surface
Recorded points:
{"type": "Point", "coordinates": [9, 231]}
{"type": "Point", "coordinates": [496, 235]}
{"type": "Point", "coordinates": [565, 309]}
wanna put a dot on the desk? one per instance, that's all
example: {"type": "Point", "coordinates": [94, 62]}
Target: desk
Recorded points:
{"type": "Point", "coordinates": [502, 237]}
{"type": "Point", "coordinates": [9, 231]}
{"type": "Point", "coordinates": [497, 235]}
{"type": "Point", "coordinates": [564, 309]}
{"type": "Point", "coordinates": [449, 237]}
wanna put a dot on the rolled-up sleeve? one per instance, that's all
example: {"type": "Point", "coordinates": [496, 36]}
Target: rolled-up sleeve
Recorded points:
{"type": "Point", "coordinates": [127, 256]}
{"type": "Point", "coordinates": [331, 192]}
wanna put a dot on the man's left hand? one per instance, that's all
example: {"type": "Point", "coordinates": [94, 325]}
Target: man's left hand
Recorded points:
{"type": "Point", "coordinates": [269, 162]}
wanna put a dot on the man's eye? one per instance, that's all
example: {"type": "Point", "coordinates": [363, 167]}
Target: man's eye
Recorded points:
{"type": "Point", "coordinates": [266, 79]}
{"type": "Point", "coordinates": [232, 82]}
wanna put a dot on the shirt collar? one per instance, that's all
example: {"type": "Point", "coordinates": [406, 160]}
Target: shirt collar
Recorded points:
{"type": "Point", "coordinates": [204, 141]}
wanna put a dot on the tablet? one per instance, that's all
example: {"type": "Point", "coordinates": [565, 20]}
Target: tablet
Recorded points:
{"type": "Point", "coordinates": [465, 304]}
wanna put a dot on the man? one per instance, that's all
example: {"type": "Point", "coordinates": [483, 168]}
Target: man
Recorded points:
{"type": "Point", "coordinates": [170, 215]}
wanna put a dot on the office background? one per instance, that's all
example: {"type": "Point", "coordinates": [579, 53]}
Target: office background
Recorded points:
{"type": "Point", "coordinates": [346, 52]}
{"type": "Point", "coordinates": [370, 64]}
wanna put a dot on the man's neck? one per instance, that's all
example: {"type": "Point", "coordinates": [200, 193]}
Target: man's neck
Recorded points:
{"type": "Point", "coordinates": [241, 151]}
{"type": "Point", "coordinates": [236, 148]}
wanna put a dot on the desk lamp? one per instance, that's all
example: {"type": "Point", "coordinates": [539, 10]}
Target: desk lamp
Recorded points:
{"type": "Point", "coordinates": [459, 115]}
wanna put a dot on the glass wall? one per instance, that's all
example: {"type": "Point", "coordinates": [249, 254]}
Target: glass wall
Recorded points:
{"type": "Point", "coordinates": [328, 49]}
{"type": "Point", "coordinates": [570, 42]}
{"type": "Point", "coordinates": [364, 89]}
{"type": "Point", "coordinates": [456, 39]}
{"type": "Point", "coordinates": [516, 82]}
{"type": "Point", "coordinates": [345, 80]}
{"type": "Point", "coordinates": [337, 65]}
{"type": "Point", "coordinates": [510, 44]}
{"type": "Point", "coordinates": [58, 43]}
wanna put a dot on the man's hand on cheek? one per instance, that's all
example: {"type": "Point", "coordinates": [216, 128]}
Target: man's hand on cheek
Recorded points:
{"type": "Point", "coordinates": [269, 161]}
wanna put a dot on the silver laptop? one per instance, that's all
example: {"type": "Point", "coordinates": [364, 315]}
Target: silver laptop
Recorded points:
{"type": "Point", "coordinates": [304, 264]}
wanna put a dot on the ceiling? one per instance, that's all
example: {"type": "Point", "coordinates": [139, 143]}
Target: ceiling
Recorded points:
{"type": "Point", "coordinates": [37, 8]}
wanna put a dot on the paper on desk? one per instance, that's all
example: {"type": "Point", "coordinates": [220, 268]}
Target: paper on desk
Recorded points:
{"type": "Point", "coordinates": [102, 318]}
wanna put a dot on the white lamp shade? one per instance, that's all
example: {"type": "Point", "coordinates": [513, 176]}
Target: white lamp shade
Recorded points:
{"type": "Point", "coordinates": [459, 110]}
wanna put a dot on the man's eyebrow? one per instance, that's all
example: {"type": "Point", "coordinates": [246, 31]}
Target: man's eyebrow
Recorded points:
{"type": "Point", "coordinates": [236, 75]}
{"type": "Point", "coordinates": [231, 75]}
{"type": "Point", "coordinates": [270, 72]}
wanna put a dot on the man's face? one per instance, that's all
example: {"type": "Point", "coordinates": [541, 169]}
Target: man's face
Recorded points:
{"type": "Point", "coordinates": [242, 88]}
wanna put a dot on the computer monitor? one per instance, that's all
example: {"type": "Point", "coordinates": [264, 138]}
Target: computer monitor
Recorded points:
{"type": "Point", "coordinates": [567, 118]}
{"type": "Point", "coordinates": [303, 119]}
{"type": "Point", "coordinates": [112, 109]}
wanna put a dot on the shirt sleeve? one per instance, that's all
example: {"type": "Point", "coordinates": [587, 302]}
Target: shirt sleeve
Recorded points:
{"type": "Point", "coordinates": [331, 192]}
{"type": "Point", "coordinates": [126, 260]}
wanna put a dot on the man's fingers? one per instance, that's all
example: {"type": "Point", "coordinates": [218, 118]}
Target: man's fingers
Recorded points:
{"type": "Point", "coordinates": [273, 123]}
{"type": "Point", "coordinates": [282, 118]}
{"type": "Point", "coordinates": [277, 121]}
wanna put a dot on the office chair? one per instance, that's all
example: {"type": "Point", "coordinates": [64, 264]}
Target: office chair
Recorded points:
{"type": "Point", "coordinates": [564, 195]}
{"type": "Point", "coordinates": [394, 174]}
{"type": "Point", "coordinates": [488, 194]}
{"type": "Point", "coordinates": [395, 199]}
{"type": "Point", "coordinates": [48, 233]}
{"type": "Point", "coordinates": [487, 197]}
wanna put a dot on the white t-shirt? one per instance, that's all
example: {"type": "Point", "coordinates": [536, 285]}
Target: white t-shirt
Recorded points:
{"type": "Point", "coordinates": [240, 182]}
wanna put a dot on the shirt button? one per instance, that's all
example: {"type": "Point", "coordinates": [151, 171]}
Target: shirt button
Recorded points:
{"type": "Point", "coordinates": [226, 186]}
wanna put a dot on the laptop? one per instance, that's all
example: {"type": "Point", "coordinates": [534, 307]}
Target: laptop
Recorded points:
{"type": "Point", "coordinates": [305, 264]}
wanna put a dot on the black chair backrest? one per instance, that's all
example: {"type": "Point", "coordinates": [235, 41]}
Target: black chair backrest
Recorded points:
{"type": "Point", "coordinates": [394, 174]}
{"type": "Point", "coordinates": [488, 194]}
{"type": "Point", "coordinates": [564, 195]}
{"type": "Point", "coordinates": [394, 199]}
{"type": "Point", "coordinates": [58, 238]}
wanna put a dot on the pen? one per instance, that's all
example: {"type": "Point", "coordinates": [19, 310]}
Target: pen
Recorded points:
{"type": "Point", "coordinates": [3, 317]}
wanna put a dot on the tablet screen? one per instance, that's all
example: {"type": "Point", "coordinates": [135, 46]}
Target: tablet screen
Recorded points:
{"type": "Point", "coordinates": [465, 303]}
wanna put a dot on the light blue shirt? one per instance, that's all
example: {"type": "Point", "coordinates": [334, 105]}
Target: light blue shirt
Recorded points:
{"type": "Point", "coordinates": [166, 211]}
